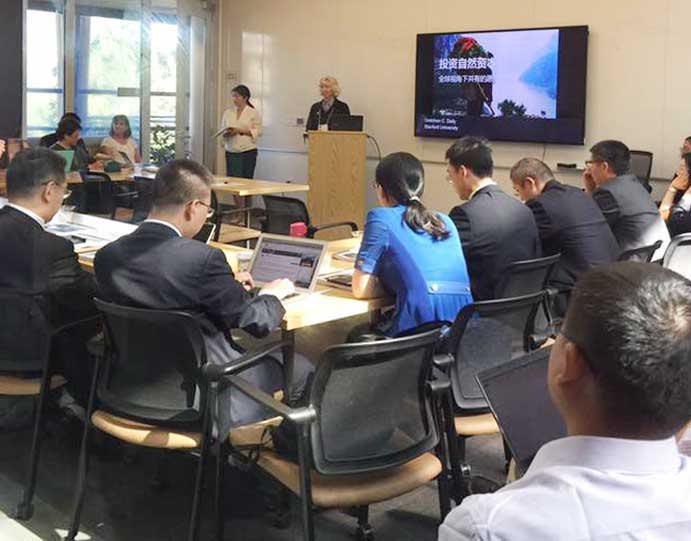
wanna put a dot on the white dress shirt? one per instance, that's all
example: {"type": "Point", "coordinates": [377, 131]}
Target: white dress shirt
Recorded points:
{"type": "Point", "coordinates": [250, 120]}
{"type": "Point", "coordinates": [30, 213]}
{"type": "Point", "coordinates": [167, 224]}
{"type": "Point", "coordinates": [580, 488]}
{"type": "Point", "coordinates": [483, 184]}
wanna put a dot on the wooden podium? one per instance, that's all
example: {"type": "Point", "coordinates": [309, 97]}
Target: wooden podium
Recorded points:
{"type": "Point", "coordinates": [337, 171]}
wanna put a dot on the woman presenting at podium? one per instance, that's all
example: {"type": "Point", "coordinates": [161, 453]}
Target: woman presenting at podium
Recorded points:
{"type": "Point", "coordinates": [243, 126]}
{"type": "Point", "coordinates": [322, 112]}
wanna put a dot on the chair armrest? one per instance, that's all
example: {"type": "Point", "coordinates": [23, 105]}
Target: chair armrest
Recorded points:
{"type": "Point", "coordinates": [440, 384]}
{"type": "Point", "coordinates": [304, 415]}
{"type": "Point", "coordinates": [314, 228]}
{"type": "Point", "coordinates": [443, 361]}
{"type": "Point", "coordinates": [214, 372]}
{"type": "Point", "coordinates": [72, 324]}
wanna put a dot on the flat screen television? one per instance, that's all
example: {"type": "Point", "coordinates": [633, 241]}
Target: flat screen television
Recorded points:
{"type": "Point", "coordinates": [526, 85]}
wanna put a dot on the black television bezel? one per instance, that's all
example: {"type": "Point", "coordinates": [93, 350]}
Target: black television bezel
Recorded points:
{"type": "Point", "coordinates": [584, 85]}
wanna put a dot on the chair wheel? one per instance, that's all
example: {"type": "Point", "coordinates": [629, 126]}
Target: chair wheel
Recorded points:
{"type": "Point", "coordinates": [364, 533]}
{"type": "Point", "coordinates": [24, 511]}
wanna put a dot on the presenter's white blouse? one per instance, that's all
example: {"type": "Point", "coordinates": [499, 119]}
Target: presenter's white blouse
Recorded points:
{"type": "Point", "coordinates": [585, 488]}
{"type": "Point", "coordinates": [250, 119]}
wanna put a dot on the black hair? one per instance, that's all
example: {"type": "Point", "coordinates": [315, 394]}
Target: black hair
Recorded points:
{"type": "Point", "coordinates": [531, 167]}
{"type": "Point", "coordinates": [31, 168]}
{"type": "Point", "coordinates": [67, 126]}
{"type": "Point", "coordinates": [75, 116]}
{"type": "Point", "coordinates": [688, 139]}
{"type": "Point", "coordinates": [632, 322]}
{"type": "Point", "coordinates": [402, 178]}
{"type": "Point", "coordinates": [244, 91]}
{"type": "Point", "coordinates": [615, 153]}
{"type": "Point", "coordinates": [121, 118]}
{"type": "Point", "coordinates": [179, 182]}
{"type": "Point", "coordinates": [473, 153]}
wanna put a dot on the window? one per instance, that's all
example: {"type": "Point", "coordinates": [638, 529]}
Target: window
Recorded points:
{"type": "Point", "coordinates": [164, 41]}
{"type": "Point", "coordinates": [44, 67]}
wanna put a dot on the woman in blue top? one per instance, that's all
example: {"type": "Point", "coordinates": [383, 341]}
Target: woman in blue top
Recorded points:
{"type": "Point", "coordinates": [410, 252]}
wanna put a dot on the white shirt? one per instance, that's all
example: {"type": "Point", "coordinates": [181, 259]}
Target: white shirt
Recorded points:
{"type": "Point", "coordinates": [483, 184]}
{"type": "Point", "coordinates": [251, 120]}
{"type": "Point", "coordinates": [580, 488]}
{"type": "Point", "coordinates": [30, 213]}
{"type": "Point", "coordinates": [129, 149]}
{"type": "Point", "coordinates": [167, 224]}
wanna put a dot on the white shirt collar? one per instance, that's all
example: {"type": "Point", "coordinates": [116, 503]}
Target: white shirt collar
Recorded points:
{"type": "Point", "coordinates": [30, 213]}
{"type": "Point", "coordinates": [483, 184]}
{"type": "Point", "coordinates": [641, 457]}
{"type": "Point", "coordinates": [167, 224]}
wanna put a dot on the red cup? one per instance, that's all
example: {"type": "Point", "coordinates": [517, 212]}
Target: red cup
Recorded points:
{"type": "Point", "coordinates": [298, 229]}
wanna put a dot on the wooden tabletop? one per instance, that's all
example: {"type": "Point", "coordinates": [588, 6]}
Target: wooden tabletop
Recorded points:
{"type": "Point", "coordinates": [244, 186]}
{"type": "Point", "coordinates": [325, 304]}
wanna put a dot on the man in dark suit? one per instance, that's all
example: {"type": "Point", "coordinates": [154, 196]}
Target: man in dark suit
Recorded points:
{"type": "Point", "coordinates": [627, 206]}
{"type": "Point", "coordinates": [44, 268]}
{"type": "Point", "coordinates": [568, 222]}
{"type": "Point", "coordinates": [495, 228]}
{"type": "Point", "coordinates": [160, 266]}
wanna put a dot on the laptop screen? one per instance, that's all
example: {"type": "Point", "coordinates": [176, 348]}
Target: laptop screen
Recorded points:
{"type": "Point", "coordinates": [286, 258]}
{"type": "Point", "coordinates": [518, 396]}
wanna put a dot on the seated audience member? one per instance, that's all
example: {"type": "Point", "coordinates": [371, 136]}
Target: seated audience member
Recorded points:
{"type": "Point", "coordinates": [69, 135]}
{"type": "Point", "coordinates": [49, 140]}
{"type": "Point", "coordinates": [620, 375]}
{"type": "Point", "coordinates": [121, 146]}
{"type": "Point", "coordinates": [626, 205]}
{"type": "Point", "coordinates": [568, 222]}
{"type": "Point", "coordinates": [41, 263]}
{"type": "Point", "coordinates": [160, 266]}
{"type": "Point", "coordinates": [678, 214]}
{"type": "Point", "coordinates": [495, 228]}
{"type": "Point", "coordinates": [410, 251]}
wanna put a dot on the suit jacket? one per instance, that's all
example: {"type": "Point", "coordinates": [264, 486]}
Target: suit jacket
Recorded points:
{"type": "Point", "coordinates": [569, 222]}
{"type": "Point", "coordinates": [155, 268]}
{"type": "Point", "coordinates": [631, 214]}
{"type": "Point", "coordinates": [318, 116]}
{"type": "Point", "coordinates": [44, 268]}
{"type": "Point", "coordinates": [496, 230]}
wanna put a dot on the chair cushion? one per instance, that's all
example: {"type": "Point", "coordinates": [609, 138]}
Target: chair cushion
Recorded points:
{"type": "Point", "coordinates": [340, 490]}
{"type": "Point", "coordinates": [14, 386]}
{"type": "Point", "coordinates": [145, 435]}
{"type": "Point", "coordinates": [476, 425]}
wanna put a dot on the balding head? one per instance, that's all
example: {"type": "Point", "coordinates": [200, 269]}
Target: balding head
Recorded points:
{"type": "Point", "coordinates": [529, 177]}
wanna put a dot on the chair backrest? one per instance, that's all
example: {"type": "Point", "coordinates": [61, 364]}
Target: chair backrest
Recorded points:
{"type": "Point", "coordinates": [143, 200]}
{"type": "Point", "coordinates": [373, 407]}
{"type": "Point", "coordinates": [526, 277]}
{"type": "Point", "coordinates": [641, 165]}
{"type": "Point", "coordinates": [643, 254]}
{"type": "Point", "coordinates": [151, 369]}
{"type": "Point", "coordinates": [24, 332]}
{"type": "Point", "coordinates": [487, 334]}
{"type": "Point", "coordinates": [97, 193]}
{"type": "Point", "coordinates": [281, 212]}
{"type": "Point", "coordinates": [678, 255]}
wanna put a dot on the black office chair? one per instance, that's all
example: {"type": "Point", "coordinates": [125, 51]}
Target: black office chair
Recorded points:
{"type": "Point", "coordinates": [283, 211]}
{"type": "Point", "coordinates": [137, 197]}
{"type": "Point", "coordinates": [641, 166]}
{"type": "Point", "coordinates": [642, 254]}
{"type": "Point", "coordinates": [678, 255]}
{"type": "Point", "coordinates": [368, 433]}
{"type": "Point", "coordinates": [151, 392]}
{"type": "Point", "coordinates": [25, 370]}
{"type": "Point", "coordinates": [94, 195]}
{"type": "Point", "coordinates": [485, 334]}
{"type": "Point", "coordinates": [222, 211]}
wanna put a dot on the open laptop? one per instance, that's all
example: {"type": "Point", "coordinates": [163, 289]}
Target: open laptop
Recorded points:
{"type": "Point", "coordinates": [346, 123]}
{"type": "Point", "coordinates": [68, 156]}
{"type": "Point", "coordinates": [518, 397]}
{"type": "Point", "coordinates": [295, 258]}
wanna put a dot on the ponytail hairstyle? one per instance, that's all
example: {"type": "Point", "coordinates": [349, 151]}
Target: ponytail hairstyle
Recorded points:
{"type": "Point", "coordinates": [402, 178]}
{"type": "Point", "coordinates": [242, 90]}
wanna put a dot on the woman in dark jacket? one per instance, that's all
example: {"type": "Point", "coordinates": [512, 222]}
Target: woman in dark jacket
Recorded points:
{"type": "Point", "coordinates": [322, 112]}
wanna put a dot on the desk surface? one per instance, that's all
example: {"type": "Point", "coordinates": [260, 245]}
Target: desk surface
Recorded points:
{"type": "Point", "coordinates": [244, 187]}
{"type": "Point", "coordinates": [325, 305]}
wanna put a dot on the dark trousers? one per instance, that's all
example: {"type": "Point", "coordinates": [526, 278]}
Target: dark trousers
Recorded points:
{"type": "Point", "coordinates": [241, 164]}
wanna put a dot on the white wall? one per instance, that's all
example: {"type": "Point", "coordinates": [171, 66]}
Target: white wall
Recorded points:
{"type": "Point", "coordinates": [639, 81]}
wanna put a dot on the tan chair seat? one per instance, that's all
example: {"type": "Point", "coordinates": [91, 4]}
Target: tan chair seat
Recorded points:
{"type": "Point", "coordinates": [476, 425]}
{"type": "Point", "coordinates": [145, 435]}
{"type": "Point", "coordinates": [341, 490]}
{"type": "Point", "coordinates": [13, 386]}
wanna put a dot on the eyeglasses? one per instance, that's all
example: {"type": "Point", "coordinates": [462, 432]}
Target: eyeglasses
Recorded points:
{"type": "Point", "coordinates": [67, 193]}
{"type": "Point", "coordinates": [210, 212]}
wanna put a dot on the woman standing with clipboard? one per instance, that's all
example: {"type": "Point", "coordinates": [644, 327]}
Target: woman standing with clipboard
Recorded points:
{"type": "Point", "coordinates": [242, 126]}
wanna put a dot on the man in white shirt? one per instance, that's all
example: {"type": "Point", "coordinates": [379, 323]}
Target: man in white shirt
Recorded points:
{"type": "Point", "coordinates": [620, 375]}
